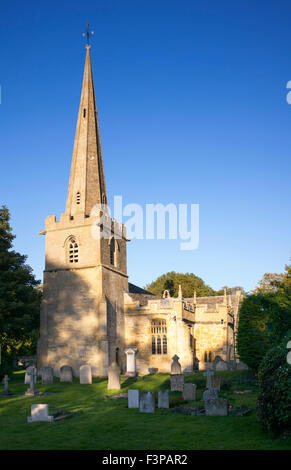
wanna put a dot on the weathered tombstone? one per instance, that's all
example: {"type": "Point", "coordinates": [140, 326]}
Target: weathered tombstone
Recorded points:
{"type": "Point", "coordinates": [85, 375]}
{"type": "Point", "coordinates": [133, 398]}
{"type": "Point", "coordinates": [47, 376]}
{"type": "Point", "coordinates": [175, 366]}
{"type": "Point", "coordinates": [153, 370]}
{"type": "Point", "coordinates": [147, 402]}
{"type": "Point", "coordinates": [6, 392]}
{"type": "Point", "coordinates": [210, 394]}
{"type": "Point", "coordinates": [27, 375]}
{"type": "Point", "coordinates": [208, 374]}
{"type": "Point", "coordinates": [189, 392]}
{"type": "Point", "coordinates": [31, 391]}
{"type": "Point", "coordinates": [113, 377]}
{"type": "Point", "coordinates": [39, 413]}
{"type": "Point", "coordinates": [221, 365]}
{"type": "Point", "coordinates": [163, 399]}
{"type": "Point", "coordinates": [241, 366]}
{"type": "Point", "coordinates": [177, 382]}
{"type": "Point", "coordinates": [216, 407]}
{"type": "Point", "coordinates": [131, 362]}
{"type": "Point", "coordinates": [216, 382]}
{"type": "Point", "coordinates": [215, 361]}
{"type": "Point", "coordinates": [232, 365]}
{"type": "Point", "coordinates": [66, 374]}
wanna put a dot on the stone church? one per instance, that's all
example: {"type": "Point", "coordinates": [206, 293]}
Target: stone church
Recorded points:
{"type": "Point", "coordinates": [90, 313]}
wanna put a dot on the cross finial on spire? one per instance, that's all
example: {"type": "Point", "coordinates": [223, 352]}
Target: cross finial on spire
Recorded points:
{"type": "Point", "coordinates": [88, 34]}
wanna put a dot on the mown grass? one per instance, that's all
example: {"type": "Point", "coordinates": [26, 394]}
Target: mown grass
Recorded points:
{"type": "Point", "coordinates": [107, 424]}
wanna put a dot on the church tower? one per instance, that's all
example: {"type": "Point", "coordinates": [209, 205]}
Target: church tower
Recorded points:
{"type": "Point", "coordinates": [82, 315]}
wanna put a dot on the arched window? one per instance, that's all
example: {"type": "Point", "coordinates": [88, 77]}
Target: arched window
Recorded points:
{"type": "Point", "coordinates": [159, 336]}
{"type": "Point", "coordinates": [210, 356]}
{"type": "Point", "coordinates": [164, 344]}
{"type": "Point", "coordinates": [153, 345]}
{"type": "Point", "coordinates": [205, 356]}
{"type": "Point", "coordinates": [73, 251]}
{"type": "Point", "coordinates": [112, 251]}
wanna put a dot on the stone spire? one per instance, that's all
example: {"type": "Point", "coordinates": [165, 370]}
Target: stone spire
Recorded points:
{"type": "Point", "coordinates": [87, 182]}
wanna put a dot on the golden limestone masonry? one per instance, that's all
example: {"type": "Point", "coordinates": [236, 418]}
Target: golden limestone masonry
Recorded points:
{"type": "Point", "coordinates": [90, 313]}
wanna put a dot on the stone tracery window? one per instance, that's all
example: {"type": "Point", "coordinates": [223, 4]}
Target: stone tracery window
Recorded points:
{"type": "Point", "coordinates": [73, 248]}
{"type": "Point", "coordinates": [159, 336]}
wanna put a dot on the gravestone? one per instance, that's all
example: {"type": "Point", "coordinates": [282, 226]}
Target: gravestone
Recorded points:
{"type": "Point", "coordinates": [133, 398]}
{"type": "Point", "coordinates": [210, 394]}
{"type": "Point", "coordinates": [31, 391]}
{"type": "Point", "coordinates": [241, 366]}
{"type": "Point", "coordinates": [47, 376]}
{"type": "Point", "coordinates": [208, 374]}
{"type": "Point", "coordinates": [175, 366]}
{"type": "Point", "coordinates": [221, 365]}
{"type": "Point", "coordinates": [27, 374]}
{"type": "Point", "coordinates": [163, 399]}
{"type": "Point", "coordinates": [39, 413]}
{"type": "Point", "coordinates": [215, 361]}
{"type": "Point", "coordinates": [6, 392]}
{"type": "Point", "coordinates": [147, 402]}
{"type": "Point", "coordinates": [113, 377]}
{"type": "Point", "coordinates": [85, 375]}
{"type": "Point", "coordinates": [177, 382]}
{"type": "Point", "coordinates": [189, 392]}
{"type": "Point", "coordinates": [66, 374]}
{"type": "Point", "coordinates": [232, 365]}
{"type": "Point", "coordinates": [216, 382]}
{"type": "Point", "coordinates": [153, 370]}
{"type": "Point", "coordinates": [131, 362]}
{"type": "Point", "coordinates": [216, 407]}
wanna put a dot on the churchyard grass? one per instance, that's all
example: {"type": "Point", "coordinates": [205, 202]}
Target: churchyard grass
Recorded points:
{"type": "Point", "coordinates": [107, 424]}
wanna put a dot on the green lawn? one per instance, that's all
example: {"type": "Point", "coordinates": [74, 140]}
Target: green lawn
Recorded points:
{"type": "Point", "coordinates": [108, 424]}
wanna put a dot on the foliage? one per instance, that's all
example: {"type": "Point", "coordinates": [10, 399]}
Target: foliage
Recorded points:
{"type": "Point", "coordinates": [171, 281]}
{"type": "Point", "coordinates": [19, 299]}
{"type": "Point", "coordinates": [262, 323]}
{"type": "Point", "coordinates": [274, 400]}
{"type": "Point", "coordinates": [269, 283]}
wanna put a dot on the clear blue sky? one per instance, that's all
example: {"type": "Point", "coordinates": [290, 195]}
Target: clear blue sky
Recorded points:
{"type": "Point", "coordinates": [191, 98]}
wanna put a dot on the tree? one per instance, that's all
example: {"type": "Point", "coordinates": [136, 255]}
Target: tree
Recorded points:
{"type": "Point", "coordinates": [231, 290]}
{"type": "Point", "coordinates": [188, 281]}
{"type": "Point", "coordinates": [274, 400]}
{"type": "Point", "coordinates": [269, 284]}
{"type": "Point", "coordinates": [19, 299]}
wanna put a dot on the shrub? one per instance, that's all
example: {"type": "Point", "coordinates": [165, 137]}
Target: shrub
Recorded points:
{"type": "Point", "coordinates": [274, 401]}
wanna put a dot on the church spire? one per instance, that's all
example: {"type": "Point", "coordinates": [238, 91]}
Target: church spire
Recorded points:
{"type": "Point", "coordinates": [87, 181]}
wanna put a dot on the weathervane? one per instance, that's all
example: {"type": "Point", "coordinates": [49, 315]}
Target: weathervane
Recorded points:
{"type": "Point", "coordinates": [88, 34]}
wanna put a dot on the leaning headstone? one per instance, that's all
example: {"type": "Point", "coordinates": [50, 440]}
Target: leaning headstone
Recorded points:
{"type": "Point", "coordinates": [177, 382]}
{"type": "Point", "coordinates": [216, 407]}
{"type": "Point", "coordinates": [221, 365]}
{"type": "Point", "coordinates": [6, 392]}
{"type": "Point", "coordinates": [210, 394]}
{"type": "Point", "coordinates": [241, 366]}
{"type": "Point", "coordinates": [31, 391]}
{"type": "Point", "coordinates": [85, 375]}
{"type": "Point", "coordinates": [147, 402]}
{"type": "Point", "coordinates": [189, 392]}
{"type": "Point", "coordinates": [27, 375]}
{"type": "Point", "coordinates": [113, 377]}
{"type": "Point", "coordinates": [66, 374]}
{"type": "Point", "coordinates": [47, 376]}
{"type": "Point", "coordinates": [133, 398]}
{"type": "Point", "coordinates": [163, 399]}
{"type": "Point", "coordinates": [216, 382]}
{"type": "Point", "coordinates": [175, 366]}
{"type": "Point", "coordinates": [208, 374]}
{"type": "Point", "coordinates": [39, 413]}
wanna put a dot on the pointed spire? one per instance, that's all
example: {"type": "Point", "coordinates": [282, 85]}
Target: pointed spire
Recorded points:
{"type": "Point", "coordinates": [87, 181]}
{"type": "Point", "coordinates": [225, 297]}
{"type": "Point", "coordinates": [194, 298]}
{"type": "Point", "coordinates": [180, 294]}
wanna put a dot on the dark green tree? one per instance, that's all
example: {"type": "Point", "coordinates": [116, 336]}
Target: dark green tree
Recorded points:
{"type": "Point", "coordinates": [19, 299]}
{"type": "Point", "coordinates": [188, 281]}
